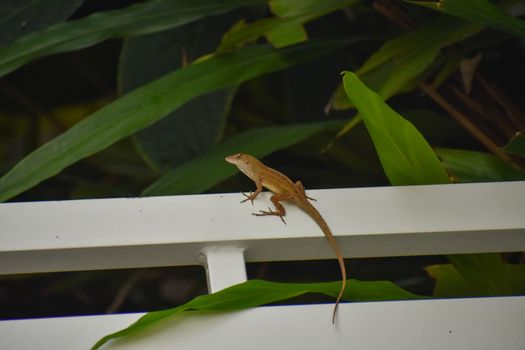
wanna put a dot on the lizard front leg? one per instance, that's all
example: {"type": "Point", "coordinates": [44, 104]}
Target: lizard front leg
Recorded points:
{"type": "Point", "coordinates": [281, 212]}
{"type": "Point", "coordinates": [253, 195]}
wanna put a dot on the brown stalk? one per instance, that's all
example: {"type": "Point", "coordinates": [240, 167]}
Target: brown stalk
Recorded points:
{"type": "Point", "coordinates": [472, 128]}
{"type": "Point", "coordinates": [485, 112]}
{"type": "Point", "coordinates": [394, 14]}
{"type": "Point", "coordinates": [515, 115]}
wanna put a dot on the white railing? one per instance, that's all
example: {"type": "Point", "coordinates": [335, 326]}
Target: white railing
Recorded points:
{"type": "Point", "coordinates": [219, 232]}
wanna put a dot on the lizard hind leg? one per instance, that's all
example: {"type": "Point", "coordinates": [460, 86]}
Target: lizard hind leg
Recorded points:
{"type": "Point", "coordinates": [270, 212]}
{"type": "Point", "coordinates": [299, 186]}
{"type": "Point", "coordinates": [280, 211]}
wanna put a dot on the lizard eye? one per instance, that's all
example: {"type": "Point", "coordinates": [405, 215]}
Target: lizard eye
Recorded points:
{"type": "Point", "coordinates": [238, 155]}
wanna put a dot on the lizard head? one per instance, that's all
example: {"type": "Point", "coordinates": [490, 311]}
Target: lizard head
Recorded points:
{"type": "Point", "coordinates": [239, 159]}
{"type": "Point", "coordinates": [246, 163]}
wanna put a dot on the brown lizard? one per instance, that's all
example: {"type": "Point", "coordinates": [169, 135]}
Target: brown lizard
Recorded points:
{"type": "Point", "coordinates": [285, 190]}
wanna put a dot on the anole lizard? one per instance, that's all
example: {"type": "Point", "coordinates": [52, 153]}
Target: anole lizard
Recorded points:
{"type": "Point", "coordinates": [285, 190]}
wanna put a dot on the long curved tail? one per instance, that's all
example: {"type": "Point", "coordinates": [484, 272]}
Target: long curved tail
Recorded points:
{"type": "Point", "coordinates": [333, 243]}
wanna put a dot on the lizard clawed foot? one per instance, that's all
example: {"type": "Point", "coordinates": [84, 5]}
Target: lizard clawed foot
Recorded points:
{"type": "Point", "coordinates": [270, 212]}
{"type": "Point", "coordinates": [249, 197]}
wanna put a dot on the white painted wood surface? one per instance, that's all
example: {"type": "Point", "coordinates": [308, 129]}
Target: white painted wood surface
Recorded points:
{"type": "Point", "coordinates": [459, 324]}
{"type": "Point", "coordinates": [219, 232]}
{"type": "Point", "coordinates": [168, 231]}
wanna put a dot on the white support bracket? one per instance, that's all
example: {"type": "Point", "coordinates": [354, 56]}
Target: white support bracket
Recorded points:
{"type": "Point", "coordinates": [225, 266]}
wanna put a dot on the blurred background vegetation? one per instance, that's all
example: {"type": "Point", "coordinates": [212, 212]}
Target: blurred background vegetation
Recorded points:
{"type": "Point", "coordinates": [457, 76]}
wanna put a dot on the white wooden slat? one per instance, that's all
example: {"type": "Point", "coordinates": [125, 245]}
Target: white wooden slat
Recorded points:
{"type": "Point", "coordinates": [164, 231]}
{"type": "Point", "coordinates": [459, 324]}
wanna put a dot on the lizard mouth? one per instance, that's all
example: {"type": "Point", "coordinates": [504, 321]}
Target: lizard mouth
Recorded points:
{"type": "Point", "coordinates": [233, 158]}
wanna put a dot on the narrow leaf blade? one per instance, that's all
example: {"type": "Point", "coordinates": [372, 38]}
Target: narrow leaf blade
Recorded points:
{"type": "Point", "coordinates": [138, 19]}
{"type": "Point", "coordinates": [203, 172]}
{"type": "Point", "coordinates": [478, 11]}
{"type": "Point", "coordinates": [21, 17]}
{"type": "Point", "coordinates": [258, 292]}
{"type": "Point", "coordinates": [473, 166]}
{"type": "Point", "coordinates": [399, 63]}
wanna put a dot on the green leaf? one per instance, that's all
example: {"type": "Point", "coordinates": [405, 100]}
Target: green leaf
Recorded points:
{"type": "Point", "coordinates": [182, 136]}
{"type": "Point", "coordinates": [148, 104]}
{"type": "Point", "coordinates": [138, 19]}
{"type": "Point", "coordinates": [405, 58]}
{"type": "Point", "coordinates": [439, 129]}
{"type": "Point", "coordinates": [292, 32]}
{"type": "Point", "coordinates": [257, 292]}
{"type": "Point", "coordinates": [406, 157]}
{"type": "Point", "coordinates": [452, 62]}
{"type": "Point", "coordinates": [484, 273]}
{"type": "Point", "coordinates": [289, 8]}
{"type": "Point", "coordinates": [204, 172]}
{"type": "Point", "coordinates": [286, 34]}
{"type": "Point", "coordinates": [284, 30]}
{"type": "Point", "coordinates": [196, 126]}
{"type": "Point", "coordinates": [516, 145]}
{"type": "Point", "coordinates": [21, 17]}
{"type": "Point", "coordinates": [473, 166]}
{"type": "Point", "coordinates": [449, 283]}
{"type": "Point", "coordinates": [413, 52]}
{"type": "Point", "coordinates": [478, 11]}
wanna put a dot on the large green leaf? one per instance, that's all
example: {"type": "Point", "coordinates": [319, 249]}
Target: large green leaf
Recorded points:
{"type": "Point", "coordinates": [478, 11]}
{"type": "Point", "coordinates": [196, 126]}
{"type": "Point", "coordinates": [257, 292]}
{"type": "Point", "coordinates": [450, 283]}
{"type": "Point", "coordinates": [473, 166]}
{"type": "Point", "coordinates": [148, 104]}
{"type": "Point", "coordinates": [21, 17]}
{"type": "Point", "coordinates": [406, 157]}
{"type": "Point", "coordinates": [484, 273]}
{"type": "Point", "coordinates": [138, 19]}
{"type": "Point", "coordinates": [203, 172]}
